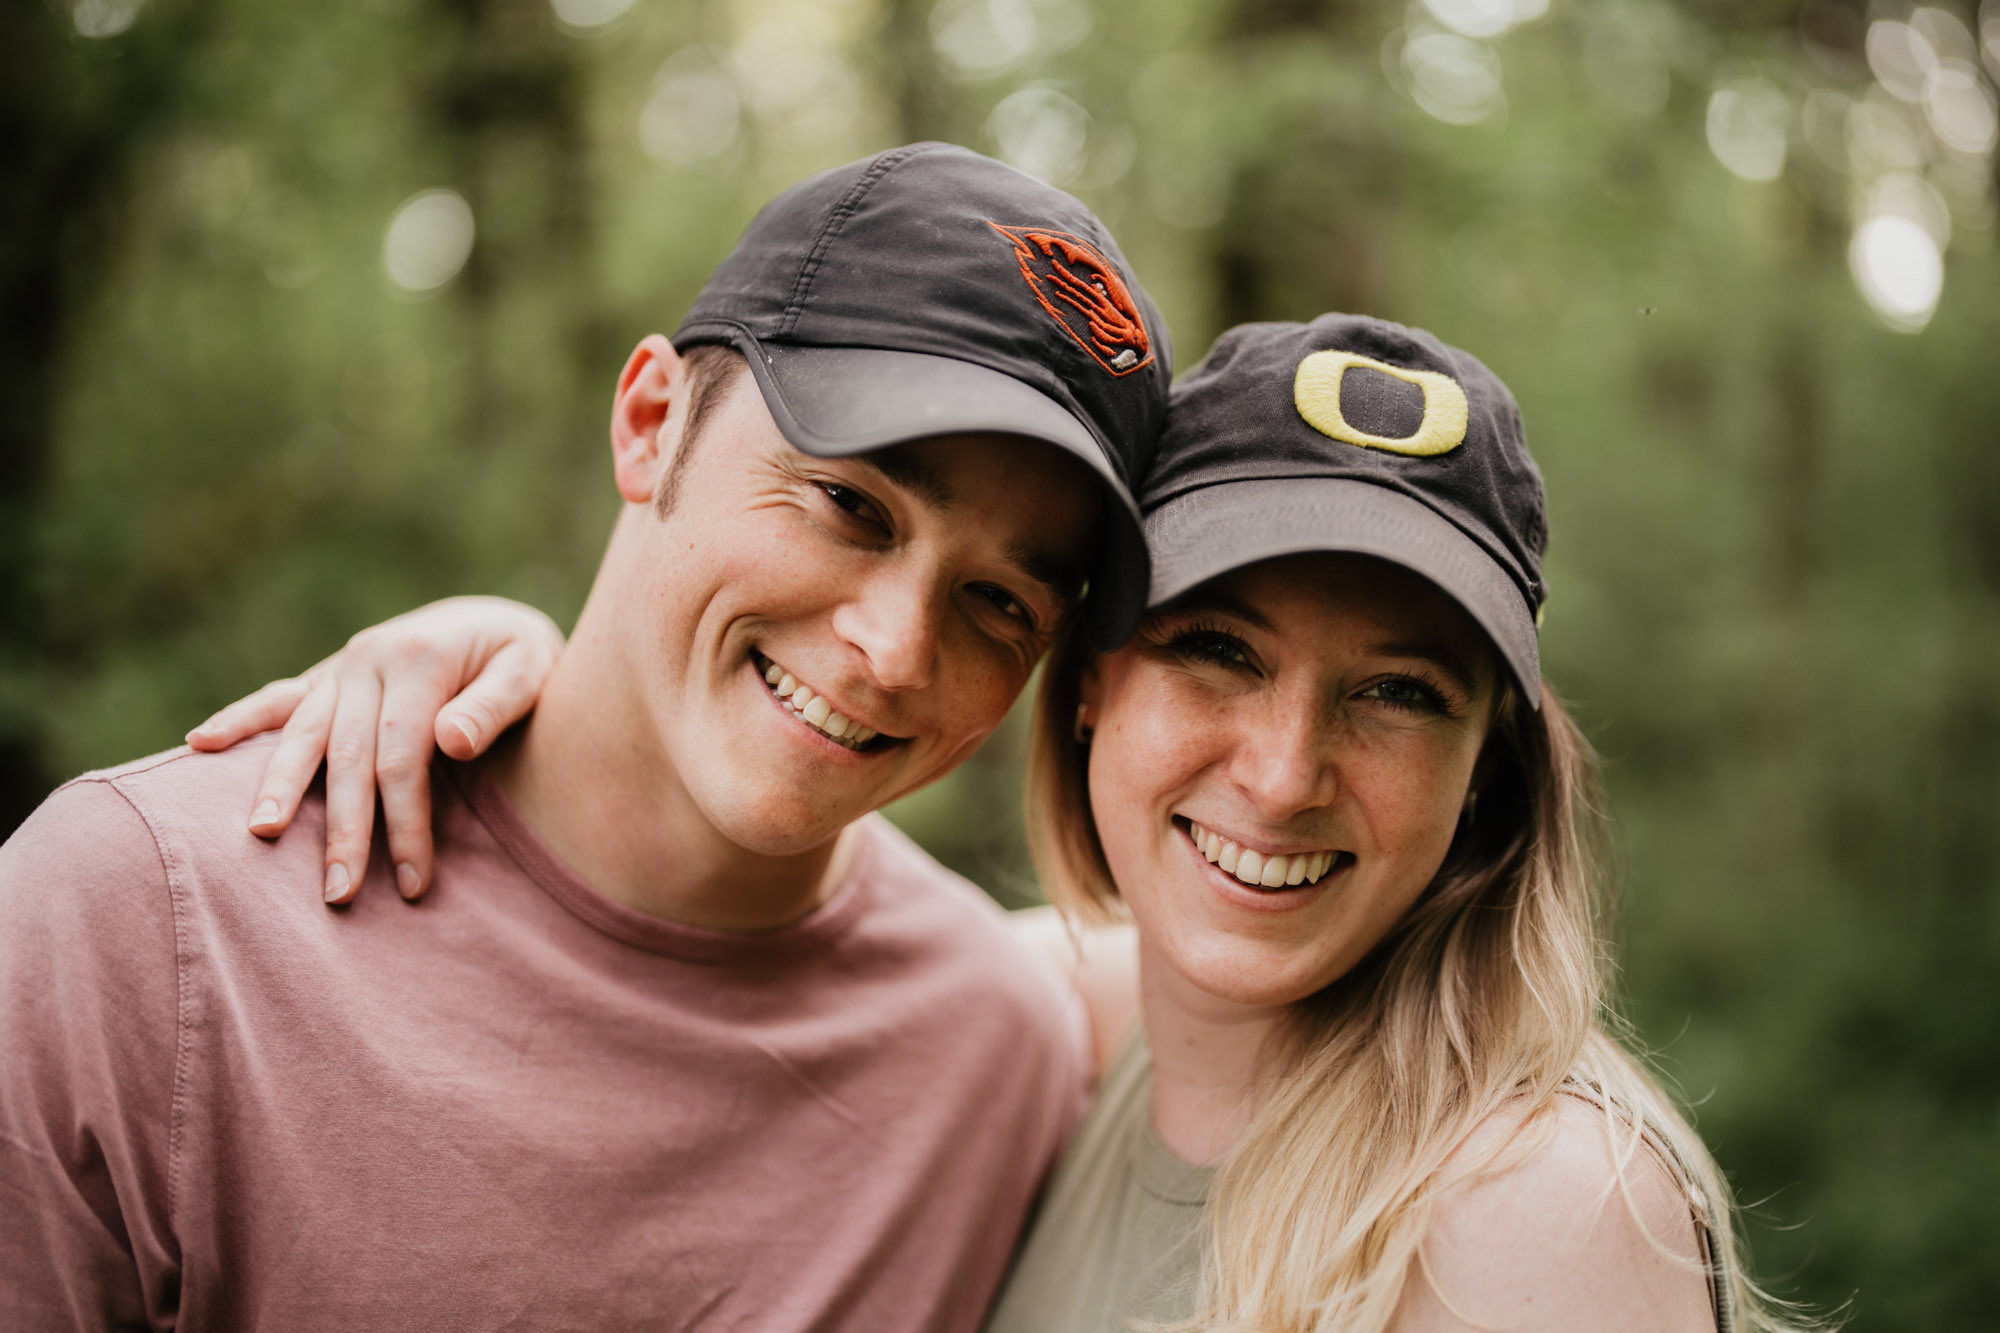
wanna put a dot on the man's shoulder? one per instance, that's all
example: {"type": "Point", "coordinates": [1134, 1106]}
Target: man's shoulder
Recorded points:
{"type": "Point", "coordinates": [937, 916]}
{"type": "Point", "coordinates": [904, 875]}
{"type": "Point", "coordinates": [177, 818]}
{"type": "Point", "coordinates": [185, 785]}
{"type": "Point", "coordinates": [87, 874]}
{"type": "Point", "coordinates": [98, 818]}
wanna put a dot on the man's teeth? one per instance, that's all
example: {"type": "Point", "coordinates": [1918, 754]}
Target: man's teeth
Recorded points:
{"type": "Point", "coordinates": [817, 712]}
{"type": "Point", "coordinates": [1253, 867]}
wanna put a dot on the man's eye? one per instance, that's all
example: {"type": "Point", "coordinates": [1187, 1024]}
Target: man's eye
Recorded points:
{"type": "Point", "coordinates": [1212, 647]}
{"type": "Point", "coordinates": [853, 503]}
{"type": "Point", "coordinates": [1005, 602]}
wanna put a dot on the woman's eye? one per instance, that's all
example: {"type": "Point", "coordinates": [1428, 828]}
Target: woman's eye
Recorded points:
{"type": "Point", "coordinates": [1407, 692]}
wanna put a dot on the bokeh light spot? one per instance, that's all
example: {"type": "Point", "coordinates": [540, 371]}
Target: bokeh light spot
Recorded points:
{"type": "Point", "coordinates": [789, 68]}
{"type": "Point", "coordinates": [104, 18]}
{"type": "Point", "coordinates": [1905, 194]}
{"type": "Point", "coordinates": [1747, 128]}
{"type": "Point", "coordinates": [1900, 57]}
{"type": "Point", "coordinates": [587, 14]}
{"type": "Point", "coordinates": [1899, 270]}
{"type": "Point", "coordinates": [1041, 132]}
{"type": "Point", "coordinates": [693, 114]}
{"type": "Point", "coordinates": [1453, 78]}
{"type": "Point", "coordinates": [1473, 18]}
{"type": "Point", "coordinates": [979, 37]}
{"type": "Point", "coordinates": [982, 38]}
{"type": "Point", "coordinates": [428, 240]}
{"type": "Point", "coordinates": [1945, 32]}
{"type": "Point", "coordinates": [1961, 107]}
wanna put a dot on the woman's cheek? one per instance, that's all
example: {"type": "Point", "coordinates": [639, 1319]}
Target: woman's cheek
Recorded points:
{"type": "Point", "coordinates": [1152, 732]}
{"type": "Point", "coordinates": [1413, 800]}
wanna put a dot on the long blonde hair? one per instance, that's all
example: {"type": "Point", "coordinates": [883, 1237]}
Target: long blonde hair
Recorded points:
{"type": "Point", "coordinates": [1489, 996]}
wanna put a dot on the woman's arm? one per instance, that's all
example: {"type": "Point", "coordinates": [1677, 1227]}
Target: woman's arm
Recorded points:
{"type": "Point", "coordinates": [1099, 963]}
{"type": "Point", "coordinates": [1563, 1240]}
{"type": "Point", "coordinates": [455, 673]}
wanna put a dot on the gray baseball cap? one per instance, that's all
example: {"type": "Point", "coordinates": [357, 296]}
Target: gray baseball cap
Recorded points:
{"type": "Point", "coordinates": [930, 291]}
{"type": "Point", "coordinates": [1353, 434]}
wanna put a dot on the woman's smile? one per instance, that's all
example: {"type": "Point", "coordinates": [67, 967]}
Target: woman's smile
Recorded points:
{"type": "Point", "coordinates": [1223, 863]}
{"type": "Point", "coordinates": [1258, 867]}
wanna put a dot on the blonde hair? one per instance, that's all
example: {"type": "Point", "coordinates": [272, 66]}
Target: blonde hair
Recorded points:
{"type": "Point", "coordinates": [1490, 996]}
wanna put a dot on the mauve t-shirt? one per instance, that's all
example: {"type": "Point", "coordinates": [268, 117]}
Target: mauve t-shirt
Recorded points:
{"type": "Point", "coordinates": [515, 1105]}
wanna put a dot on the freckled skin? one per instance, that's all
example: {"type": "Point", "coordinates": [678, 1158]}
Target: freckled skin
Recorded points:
{"type": "Point", "coordinates": [897, 614]}
{"type": "Point", "coordinates": [1305, 738]}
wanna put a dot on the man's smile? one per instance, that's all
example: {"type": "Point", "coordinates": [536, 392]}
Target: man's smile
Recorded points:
{"type": "Point", "coordinates": [811, 708]}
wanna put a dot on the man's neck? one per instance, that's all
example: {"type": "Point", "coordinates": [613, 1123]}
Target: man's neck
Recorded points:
{"type": "Point", "coordinates": [612, 806]}
{"type": "Point", "coordinates": [1209, 1056]}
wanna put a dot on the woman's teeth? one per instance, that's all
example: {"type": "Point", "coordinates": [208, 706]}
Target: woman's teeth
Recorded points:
{"type": "Point", "coordinates": [817, 712]}
{"type": "Point", "coordinates": [1255, 868]}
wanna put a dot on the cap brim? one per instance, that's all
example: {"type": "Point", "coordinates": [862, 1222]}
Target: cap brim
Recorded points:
{"type": "Point", "coordinates": [835, 402]}
{"type": "Point", "coordinates": [1196, 536]}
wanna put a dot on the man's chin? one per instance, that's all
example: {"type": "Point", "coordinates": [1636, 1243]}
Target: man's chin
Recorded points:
{"type": "Point", "coordinates": [784, 829]}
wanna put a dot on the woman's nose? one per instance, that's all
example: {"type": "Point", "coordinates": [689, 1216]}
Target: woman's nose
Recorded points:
{"type": "Point", "coordinates": [1287, 766]}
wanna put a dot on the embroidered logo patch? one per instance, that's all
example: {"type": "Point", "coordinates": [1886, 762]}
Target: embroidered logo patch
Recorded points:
{"type": "Point", "coordinates": [1441, 429]}
{"type": "Point", "coordinates": [1084, 294]}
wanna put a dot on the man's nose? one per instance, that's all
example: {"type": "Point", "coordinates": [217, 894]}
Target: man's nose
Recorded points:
{"type": "Point", "coordinates": [894, 620]}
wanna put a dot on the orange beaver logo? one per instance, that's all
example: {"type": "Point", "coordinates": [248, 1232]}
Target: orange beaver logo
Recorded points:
{"type": "Point", "coordinates": [1084, 294]}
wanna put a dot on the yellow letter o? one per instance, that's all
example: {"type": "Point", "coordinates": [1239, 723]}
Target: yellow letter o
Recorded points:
{"type": "Point", "coordinates": [1316, 390]}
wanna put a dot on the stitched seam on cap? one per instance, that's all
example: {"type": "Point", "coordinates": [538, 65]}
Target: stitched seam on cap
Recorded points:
{"type": "Point", "coordinates": [880, 167]}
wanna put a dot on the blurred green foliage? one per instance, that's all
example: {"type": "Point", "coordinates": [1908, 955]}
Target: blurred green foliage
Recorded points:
{"type": "Point", "coordinates": [228, 438]}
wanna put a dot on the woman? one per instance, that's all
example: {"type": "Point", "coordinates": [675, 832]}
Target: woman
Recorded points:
{"type": "Point", "coordinates": [1369, 1084]}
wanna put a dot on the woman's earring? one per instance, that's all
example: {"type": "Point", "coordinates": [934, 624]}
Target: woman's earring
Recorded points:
{"type": "Point", "coordinates": [1469, 811]}
{"type": "Point", "coordinates": [1081, 731]}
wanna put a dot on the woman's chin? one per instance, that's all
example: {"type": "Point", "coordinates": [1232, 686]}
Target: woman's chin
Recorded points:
{"type": "Point", "coordinates": [1251, 974]}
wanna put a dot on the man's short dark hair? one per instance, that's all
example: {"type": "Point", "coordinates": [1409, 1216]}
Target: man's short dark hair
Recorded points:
{"type": "Point", "coordinates": [711, 369]}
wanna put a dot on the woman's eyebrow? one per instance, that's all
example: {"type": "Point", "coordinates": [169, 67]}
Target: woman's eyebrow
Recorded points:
{"type": "Point", "coordinates": [1438, 655]}
{"type": "Point", "coordinates": [1216, 599]}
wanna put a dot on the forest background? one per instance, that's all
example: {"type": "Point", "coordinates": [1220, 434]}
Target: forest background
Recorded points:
{"type": "Point", "coordinates": [312, 313]}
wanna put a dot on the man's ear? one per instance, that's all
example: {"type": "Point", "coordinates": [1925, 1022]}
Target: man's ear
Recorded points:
{"type": "Point", "coordinates": [645, 430]}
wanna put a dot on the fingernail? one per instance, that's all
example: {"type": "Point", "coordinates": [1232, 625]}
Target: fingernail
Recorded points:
{"type": "Point", "coordinates": [337, 880]}
{"type": "Point", "coordinates": [467, 730]}
{"type": "Point", "coordinates": [406, 880]}
{"type": "Point", "coordinates": [266, 813]}
{"type": "Point", "coordinates": [189, 738]}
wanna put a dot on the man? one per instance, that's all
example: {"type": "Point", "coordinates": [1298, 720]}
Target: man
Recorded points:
{"type": "Point", "coordinates": [681, 1040]}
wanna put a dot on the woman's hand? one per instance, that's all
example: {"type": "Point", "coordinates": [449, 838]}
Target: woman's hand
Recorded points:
{"type": "Point", "coordinates": [456, 673]}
